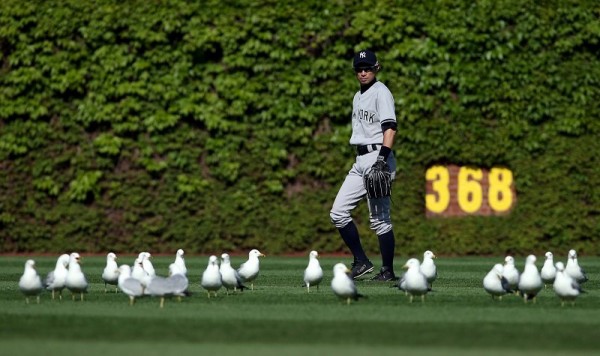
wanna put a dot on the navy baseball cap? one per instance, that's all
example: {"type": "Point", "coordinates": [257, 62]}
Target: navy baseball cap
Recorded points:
{"type": "Point", "coordinates": [365, 58]}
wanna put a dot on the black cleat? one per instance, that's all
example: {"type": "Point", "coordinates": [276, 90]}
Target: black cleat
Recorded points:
{"type": "Point", "coordinates": [360, 268]}
{"type": "Point", "coordinates": [385, 275]}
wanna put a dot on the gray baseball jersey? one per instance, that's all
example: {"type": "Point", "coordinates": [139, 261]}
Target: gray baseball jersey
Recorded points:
{"type": "Point", "coordinates": [370, 110]}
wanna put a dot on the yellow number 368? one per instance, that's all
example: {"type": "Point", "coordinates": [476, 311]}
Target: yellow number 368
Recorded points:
{"type": "Point", "coordinates": [453, 190]}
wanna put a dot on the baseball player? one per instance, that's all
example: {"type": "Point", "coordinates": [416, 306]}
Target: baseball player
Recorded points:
{"type": "Point", "coordinates": [373, 130]}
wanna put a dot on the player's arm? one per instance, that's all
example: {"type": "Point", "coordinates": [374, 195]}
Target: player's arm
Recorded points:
{"type": "Point", "coordinates": [389, 132]}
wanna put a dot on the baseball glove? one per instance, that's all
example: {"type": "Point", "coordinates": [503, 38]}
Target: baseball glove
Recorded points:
{"type": "Point", "coordinates": [378, 181]}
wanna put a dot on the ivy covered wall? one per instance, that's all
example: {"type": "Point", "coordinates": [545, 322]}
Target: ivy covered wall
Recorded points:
{"type": "Point", "coordinates": [224, 125]}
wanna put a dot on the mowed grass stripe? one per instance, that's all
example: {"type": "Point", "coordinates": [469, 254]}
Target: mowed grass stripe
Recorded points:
{"type": "Point", "coordinates": [279, 312]}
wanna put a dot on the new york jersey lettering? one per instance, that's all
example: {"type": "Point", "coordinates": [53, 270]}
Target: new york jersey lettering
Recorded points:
{"type": "Point", "coordinates": [366, 116]}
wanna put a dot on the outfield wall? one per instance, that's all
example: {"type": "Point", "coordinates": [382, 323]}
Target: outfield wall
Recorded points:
{"type": "Point", "coordinates": [224, 125]}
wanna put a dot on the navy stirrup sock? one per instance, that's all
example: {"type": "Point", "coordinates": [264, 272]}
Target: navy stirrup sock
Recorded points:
{"type": "Point", "coordinates": [387, 244]}
{"type": "Point", "coordinates": [350, 236]}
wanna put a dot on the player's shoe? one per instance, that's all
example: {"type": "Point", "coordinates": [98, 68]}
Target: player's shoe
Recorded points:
{"type": "Point", "coordinates": [360, 268]}
{"type": "Point", "coordinates": [385, 275]}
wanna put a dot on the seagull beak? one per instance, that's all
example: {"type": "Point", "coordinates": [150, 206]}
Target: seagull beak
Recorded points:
{"type": "Point", "coordinates": [405, 266]}
{"type": "Point", "coordinates": [434, 256]}
{"type": "Point", "coordinates": [263, 255]}
{"type": "Point", "coordinates": [347, 271]}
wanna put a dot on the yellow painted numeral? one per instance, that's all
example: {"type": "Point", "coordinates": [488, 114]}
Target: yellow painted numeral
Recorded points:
{"type": "Point", "coordinates": [500, 195]}
{"type": "Point", "coordinates": [470, 193]}
{"type": "Point", "coordinates": [440, 179]}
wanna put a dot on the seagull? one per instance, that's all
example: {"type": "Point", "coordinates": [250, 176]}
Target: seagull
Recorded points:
{"type": "Point", "coordinates": [342, 285]}
{"type": "Point", "coordinates": [402, 284]}
{"type": "Point", "coordinates": [548, 272]}
{"type": "Point", "coordinates": [179, 280]}
{"type": "Point", "coordinates": [138, 272]}
{"type": "Point", "coordinates": [76, 281]}
{"type": "Point", "coordinates": [110, 275]}
{"type": "Point", "coordinates": [530, 282]}
{"type": "Point", "coordinates": [495, 284]}
{"type": "Point", "coordinates": [574, 270]}
{"type": "Point", "coordinates": [313, 274]}
{"type": "Point", "coordinates": [211, 278]}
{"type": "Point", "coordinates": [129, 285]}
{"type": "Point", "coordinates": [147, 265]}
{"type": "Point", "coordinates": [428, 268]}
{"type": "Point", "coordinates": [249, 269]}
{"type": "Point", "coordinates": [30, 282]}
{"type": "Point", "coordinates": [159, 287]}
{"type": "Point", "coordinates": [56, 279]}
{"type": "Point", "coordinates": [416, 282]}
{"type": "Point", "coordinates": [510, 272]}
{"type": "Point", "coordinates": [229, 276]}
{"type": "Point", "coordinates": [565, 287]}
{"type": "Point", "coordinates": [180, 262]}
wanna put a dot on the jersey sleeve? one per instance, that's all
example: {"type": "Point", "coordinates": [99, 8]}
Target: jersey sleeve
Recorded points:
{"type": "Point", "coordinates": [385, 106]}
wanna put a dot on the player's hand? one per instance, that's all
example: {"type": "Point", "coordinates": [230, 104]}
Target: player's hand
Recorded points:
{"type": "Point", "coordinates": [380, 165]}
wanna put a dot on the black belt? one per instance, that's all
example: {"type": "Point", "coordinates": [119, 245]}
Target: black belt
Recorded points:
{"type": "Point", "coordinates": [363, 150]}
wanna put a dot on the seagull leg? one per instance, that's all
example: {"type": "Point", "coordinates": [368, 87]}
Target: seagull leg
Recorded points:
{"type": "Point", "coordinates": [348, 301]}
{"type": "Point", "coordinates": [307, 287]}
{"type": "Point", "coordinates": [81, 296]}
{"type": "Point", "coordinates": [27, 300]}
{"type": "Point", "coordinates": [423, 298]}
{"type": "Point", "coordinates": [53, 294]}
{"type": "Point", "coordinates": [411, 298]}
{"type": "Point", "coordinates": [131, 300]}
{"type": "Point", "coordinates": [38, 299]}
{"type": "Point", "coordinates": [162, 302]}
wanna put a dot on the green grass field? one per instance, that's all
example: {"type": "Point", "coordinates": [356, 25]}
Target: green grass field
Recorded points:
{"type": "Point", "coordinates": [279, 317]}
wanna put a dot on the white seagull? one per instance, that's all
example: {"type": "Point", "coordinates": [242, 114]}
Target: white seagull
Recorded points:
{"type": "Point", "coordinates": [416, 282]}
{"type": "Point", "coordinates": [110, 275]}
{"type": "Point", "coordinates": [494, 283]}
{"type": "Point", "coordinates": [30, 282]}
{"type": "Point", "coordinates": [548, 272]}
{"type": "Point", "coordinates": [129, 285]}
{"type": "Point", "coordinates": [176, 284]}
{"type": "Point", "coordinates": [511, 273]}
{"type": "Point", "coordinates": [180, 262]}
{"type": "Point", "coordinates": [565, 287]}
{"type": "Point", "coordinates": [428, 267]}
{"type": "Point", "coordinates": [179, 280]}
{"type": "Point", "coordinates": [530, 281]}
{"type": "Point", "coordinates": [147, 264]}
{"type": "Point", "coordinates": [249, 269]}
{"type": "Point", "coordinates": [402, 284]}
{"type": "Point", "coordinates": [229, 276]}
{"type": "Point", "coordinates": [138, 272]}
{"type": "Point", "coordinates": [211, 277]}
{"type": "Point", "coordinates": [56, 279]}
{"type": "Point", "coordinates": [342, 285]}
{"type": "Point", "coordinates": [76, 281]}
{"type": "Point", "coordinates": [313, 274]}
{"type": "Point", "coordinates": [574, 270]}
